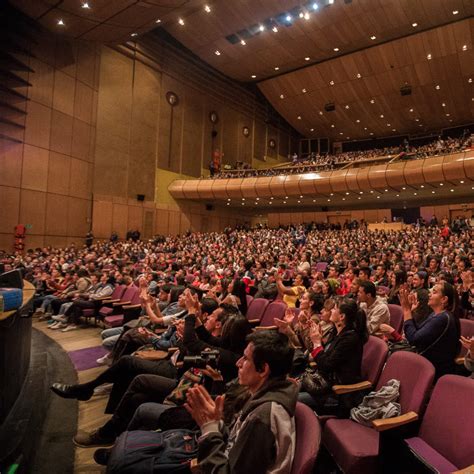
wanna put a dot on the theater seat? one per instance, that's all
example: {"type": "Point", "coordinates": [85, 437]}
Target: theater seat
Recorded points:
{"type": "Point", "coordinates": [396, 317]}
{"type": "Point", "coordinates": [355, 447]}
{"type": "Point", "coordinates": [445, 442]}
{"type": "Point", "coordinates": [256, 309]}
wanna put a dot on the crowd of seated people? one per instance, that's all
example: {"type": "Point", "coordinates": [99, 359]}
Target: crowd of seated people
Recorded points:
{"type": "Point", "coordinates": [195, 290]}
{"type": "Point", "coordinates": [327, 162]}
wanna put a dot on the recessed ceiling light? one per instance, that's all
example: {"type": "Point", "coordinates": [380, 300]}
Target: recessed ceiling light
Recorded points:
{"type": "Point", "coordinates": [348, 138]}
{"type": "Point", "coordinates": [386, 190]}
{"type": "Point", "coordinates": [371, 133]}
{"type": "Point", "coordinates": [332, 125]}
{"type": "Point", "coordinates": [320, 112]}
{"type": "Point", "coordinates": [286, 197]}
{"type": "Point", "coordinates": [394, 129]}
{"type": "Point", "coordinates": [253, 76]}
{"type": "Point", "coordinates": [347, 194]}
{"type": "Point", "coordinates": [288, 18]}
{"type": "Point", "coordinates": [61, 22]}
{"type": "Point", "coordinates": [307, 58]}
{"type": "Point", "coordinates": [347, 106]}
{"type": "Point", "coordinates": [361, 192]}
{"type": "Point", "coordinates": [441, 184]}
{"type": "Point", "coordinates": [133, 35]}
{"type": "Point", "coordinates": [340, 133]}
{"type": "Point", "coordinates": [381, 115]}
{"type": "Point", "coordinates": [330, 2]}
{"type": "Point", "coordinates": [299, 202]}
{"type": "Point", "coordinates": [414, 25]}
{"type": "Point", "coordinates": [275, 29]}
{"type": "Point", "coordinates": [428, 56]}
{"type": "Point", "coordinates": [433, 192]}
{"type": "Point", "coordinates": [343, 199]}
{"type": "Point", "coordinates": [331, 83]}
{"type": "Point", "coordinates": [455, 12]}
{"type": "Point", "coordinates": [411, 110]}
{"type": "Point", "coordinates": [217, 52]}
{"type": "Point", "coordinates": [422, 186]}
{"type": "Point", "coordinates": [257, 199]}
{"type": "Point", "coordinates": [243, 204]}
{"type": "Point", "coordinates": [282, 96]}
{"type": "Point", "coordinates": [181, 21]}
{"type": "Point", "coordinates": [414, 194]}
{"type": "Point", "coordinates": [271, 198]}
{"type": "Point", "coordinates": [359, 197]}
{"type": "Point", "coordinates": [315, 6]}
{"type": "Point", "coordinates": [329, 200]}
{"type": "Point", "coordinates": [158, 21]}
{"type": "Point", "coordinates": [311, 130]}
{"type": "Point", "coordinates": [388, 125]}
{"type": "Point", "coordinates": [336, 49]}
{"type": "Point", "coordinates": [452, 190]}
{"type": "Point", "coordinates": [243, 199]}
{"type": "Point", "coordinates": [306, 16]}
{"type": "Point", "coordinates": [284, 202]}
{"type": "Point", "coordinates": [359, 75]}
{"type": "Point", "coordinates": [437, 87]}
{"type": "Point", "coordinates": [207, 8]}
{"type": "Point", "coordinates": [462, 182]}
{"type": "Point", "coordinates": [301, 14]}
{"type": "Point", "coordinates": [378, 197]}
{"type": "Point", "coordinates": [301, 197]}
{"type": "Point", "coordinates": [277, 68]}
{"type": "Point", "coordinates": [464, 47]}
{"type": "Point", "coordinates": [417, 120]}
{"type": "Point", "coordinates": [243, 42]}
{"type": "Point", "coordinates": [299, 117]}
{"type": "Point", "coordinates": [85, 5]}
{"type": "Point", "coordinates": [398, 195]}
{"type": "Point", "coordinates": [228, 199]}
{"type": "Point", "coordinates": [303, 91]}
{"type": "Point", "coordinates": [314, 200]}
{"type": "Point", "coordinates": [469, 80]}
{"type": "Point", "coordinates": [372, 101]}
{"type": "Point", "coordinates": [447, 115]}
{"type": "Point", "coordinates": [443, 104]}
{"type": "Point", "coordinates": [373, 37]}
{"type": "Point", "coordinates": [358, 121]}
{"type": "Point", "coordinates": [403, 188]}
{"type": "Point", "coordinates": [371, 191]}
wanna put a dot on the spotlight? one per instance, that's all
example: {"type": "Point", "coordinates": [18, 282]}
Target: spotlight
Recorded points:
{"type": "Point", "coordinates": [207, 8]}
{"type": "Point", "coordinates": [181, 21]}
{"type": "Point", "coordinates": [315, 6]}
{"type": "Point", "coordinates": [61, 22]}
{"type": "Point", "coordinates": [261, 28]}
{"type": "Point", "coordinates": [288, 18]}
{"type": "Point", "coordinates": [275, 29]}
{"type": "Point", "coordinates": [86, 6]}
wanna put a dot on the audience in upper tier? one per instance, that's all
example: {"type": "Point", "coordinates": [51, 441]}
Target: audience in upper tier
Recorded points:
{"type": "Point", "coordinates": [195, 293]}
{"type": "Point", "coordinates": [327, 162]}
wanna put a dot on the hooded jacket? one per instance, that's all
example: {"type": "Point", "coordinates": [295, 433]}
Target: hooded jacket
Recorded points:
{"type": "Point", "coordinates": [261, 438]}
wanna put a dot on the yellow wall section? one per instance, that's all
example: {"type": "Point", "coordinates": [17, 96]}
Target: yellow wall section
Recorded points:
{"type": "Point", "coordinates": [163, 180]}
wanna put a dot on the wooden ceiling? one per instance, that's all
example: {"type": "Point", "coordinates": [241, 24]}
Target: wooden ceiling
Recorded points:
{"type": "Point", "coordinates": [397, 55]}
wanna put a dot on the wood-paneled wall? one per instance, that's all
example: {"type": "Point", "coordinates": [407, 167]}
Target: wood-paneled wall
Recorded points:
{"type": "Point", "coordinates": [46, 181]}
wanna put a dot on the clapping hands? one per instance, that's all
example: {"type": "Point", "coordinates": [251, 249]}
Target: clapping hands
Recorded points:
{"type": "Point", "coordinates": [202, 407]}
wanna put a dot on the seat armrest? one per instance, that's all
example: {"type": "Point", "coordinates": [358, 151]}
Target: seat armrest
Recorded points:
{"type": "Point", "coordinates": [264, 328]}
{"type": "Point", "coordinates": [389, 423]}
{"type": "Point", "coordinates": [172, 350]}
{"type": "Point", "coordinates": [355, 387]}
{"type": "Point", "coordinates": [466, 470]}
{"type": "Point", "coordinates": [254, 321]}
{"type": "Point", "coordinates": [121, 303]}
{"type": "Point", "coordinates": [132, 306]}
{"type": "Point", "coordinates": [460, 361]}
{"type": "Point", "coordinates": [107, 300]}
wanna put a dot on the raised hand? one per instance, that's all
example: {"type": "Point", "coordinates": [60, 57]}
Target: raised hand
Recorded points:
{"type": "Point", "coordinates": [202, 407]}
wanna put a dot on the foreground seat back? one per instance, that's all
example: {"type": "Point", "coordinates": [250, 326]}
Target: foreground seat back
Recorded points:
{"type": "Point", "coordinates": [274, 310]}
{"type": "Point", "coordinates": [257, 308]}
{"type": "Point", "coordinates": [448, 423]}
{"type": "Point", "coordinates": [467, 330]}
{"type": "Point", "coordinates": [396, 317]}
{"type": "Point", "coordinates": [308, 440]}
{"type": "Point", "coordinates": [416, 374]}
{"type": "Point", "coordinates": [373, 359]}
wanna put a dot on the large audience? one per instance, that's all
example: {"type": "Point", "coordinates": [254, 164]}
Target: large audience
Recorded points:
{"type": "Point", "coordinates": [327, 162]}
{"type": "Point", "coordinates": [192, 343]}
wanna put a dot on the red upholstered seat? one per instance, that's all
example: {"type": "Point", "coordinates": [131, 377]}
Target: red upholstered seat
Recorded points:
{"type": "Point", "coordinates": [257, 308]}
{"type": "Point", "coordinates": [274, 310]}
{"type": "Point", "coordinates": [396, 317]}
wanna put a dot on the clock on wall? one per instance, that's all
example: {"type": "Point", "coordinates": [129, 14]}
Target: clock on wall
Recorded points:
{"type": "Point", "coordinates": [172, 98]}
{"type": "Point", "coordinates": [246, 131]}
{"type": "Point", "coordinates": [213, 117]}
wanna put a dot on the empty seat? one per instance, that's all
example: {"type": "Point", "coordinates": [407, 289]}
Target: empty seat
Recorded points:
{"type": "Point", "coordinates": [256, 309]}
{"type": "Point", "coordinates": [396, 317]}
{"type": "Point", "coordinates": [355, 447]}
{"type": "Point", "coordinates": [274, 310]}
{"type": "Point", "coordinates": [445, 442]}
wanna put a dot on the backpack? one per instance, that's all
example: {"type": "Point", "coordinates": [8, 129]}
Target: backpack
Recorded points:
{"type": "Point", "coordinates": [153, 452]}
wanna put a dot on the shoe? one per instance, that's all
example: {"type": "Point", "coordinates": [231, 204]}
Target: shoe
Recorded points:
{"type": "Point", "coordinates": [105, 360]}
{"type": "Point", "coordinates": [59, 317]}
{"type": "Point", "coordinates": [42, 317]}
{"type": "Point", "coordinates": [72, 391]}
{"type": "Point", "coordinates": [102, 455]}
{"type": "Point", "coordinates": [54, 325]}
{"type": "Point", "coordinates": [104, 389]}
{"type": "Point", "coordinates": [38, 313]}
{"type": "Point", "coordinates": [59, 325]}
{"type": "Point", "coordinates": [90, 440]}
{"type": "Point", "coordinates": [69, 327]}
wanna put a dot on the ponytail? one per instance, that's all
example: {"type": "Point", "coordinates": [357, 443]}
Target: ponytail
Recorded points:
{"type": "Point", "coordinates": [355, 318]}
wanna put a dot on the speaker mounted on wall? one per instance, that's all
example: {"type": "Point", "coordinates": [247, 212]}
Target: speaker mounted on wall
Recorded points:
{"type": "Point", "coordinates": [140, 197]}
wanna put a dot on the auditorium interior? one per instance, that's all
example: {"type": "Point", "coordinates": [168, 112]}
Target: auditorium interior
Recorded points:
{"type": "Point", "coordinates": [237, 236]}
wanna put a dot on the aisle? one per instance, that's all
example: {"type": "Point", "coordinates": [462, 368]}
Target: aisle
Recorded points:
{"type": "Point", "coordinates": [91, 413]}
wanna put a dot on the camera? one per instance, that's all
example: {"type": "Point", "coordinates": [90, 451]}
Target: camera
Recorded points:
{"type": "Point", "coordinates": [199, 362]}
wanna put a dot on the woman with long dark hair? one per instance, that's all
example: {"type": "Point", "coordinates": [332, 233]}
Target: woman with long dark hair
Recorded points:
{"type": "Point", "coordinates": [437, 337]}
{"type": "Point", "coordinates": [339, 362]}
{"type": "Point", "coordinates": [398, 278]}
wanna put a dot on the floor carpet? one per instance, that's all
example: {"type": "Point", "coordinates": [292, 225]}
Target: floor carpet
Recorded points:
{"type": "Point", "coordinates": [84, 359]}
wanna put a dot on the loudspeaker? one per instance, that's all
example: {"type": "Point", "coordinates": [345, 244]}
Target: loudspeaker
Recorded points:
{"type": "Point", "coordinates": [12, 279]}
{"type": "Point", "coordinates": [209, 207]}
{"type": "Point", "coordinates": [405, 90]}
{"type": "Point", "coordinates": [140, 197]}
{"type": "Point", "coordinates": [330, 107]}
{"type": "Point", "coordinates": [214, 133]}
{"type": "Point", "coordinates": [325, 209]}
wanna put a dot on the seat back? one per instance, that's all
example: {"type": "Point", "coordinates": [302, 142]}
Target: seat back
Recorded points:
{"type": "Point", "coordinates": [383, 290]}
{"type": "Point", "coordinates": [129, 293]}
{"type": "Point", "coordinates": [308, 439]}
{"type": "Point", "coordinates": [135, 298]}
{"type": "Point", "coordinates": [467, 330]}
{"type": "Point", "coordinates": [276, 309]}
{"type": "Point", "coordinates": [449, 418]}
{"type": "Point", "coordinates": [415, 373]}
{"type": "Point", "coordinates": [118, 292]}
{"type": "Point", "coordinates": [257, 308]}
{"type": "Point", "coordinates": [249, 300]}
{"type": "Point", "coordinates": [373, 359]}
{"type": "Point", "coordinates": [321, 266]}
{"type": "Point", "coordinates": [396, 316]}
